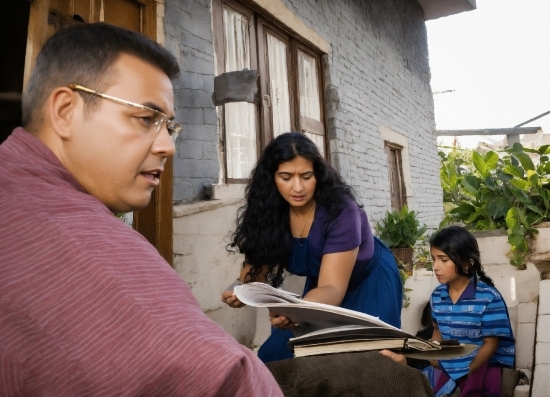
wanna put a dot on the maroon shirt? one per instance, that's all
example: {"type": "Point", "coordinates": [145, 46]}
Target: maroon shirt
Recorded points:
{"type": "Point", "coordinates": [89, 308]}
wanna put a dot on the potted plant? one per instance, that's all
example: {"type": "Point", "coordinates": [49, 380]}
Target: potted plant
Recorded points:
{"type": "Point", "coordinates": [400, 231]}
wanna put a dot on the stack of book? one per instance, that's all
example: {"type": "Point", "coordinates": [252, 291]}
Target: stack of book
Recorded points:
{"type": "Point", "coordinates": [327, 329]}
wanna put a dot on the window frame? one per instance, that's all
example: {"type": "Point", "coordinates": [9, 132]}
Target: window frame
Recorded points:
{"type": "Point", "coordinates": [259, 26]}
{"type": "Point", "coordinates": [219, 43]}
{"type": "Point", "coordinates": [402, 194]}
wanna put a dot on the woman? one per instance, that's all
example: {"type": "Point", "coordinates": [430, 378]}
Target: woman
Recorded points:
{"type": "Point", "coordinates": [300, 216]}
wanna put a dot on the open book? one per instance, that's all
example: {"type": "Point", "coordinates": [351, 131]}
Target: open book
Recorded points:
{"type": "Point", "coordinates": [327, 329]}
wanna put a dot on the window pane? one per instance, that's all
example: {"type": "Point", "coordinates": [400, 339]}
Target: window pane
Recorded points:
{"type": "Point", "coordinates": [309, 89]}
{"type": "Point", "coordinates": [280, 103]}
{"type": "Point", "coordinates": [319, 140]}
{"type": "Point", "coordinates": [240, 118]}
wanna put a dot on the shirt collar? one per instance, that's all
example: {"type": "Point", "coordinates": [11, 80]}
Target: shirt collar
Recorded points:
{"type": "Point", "coordinates": [468, 293]}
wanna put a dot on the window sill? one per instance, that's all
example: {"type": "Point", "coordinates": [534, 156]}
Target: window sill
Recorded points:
{"type": "Point", "coordinates": [223, 195]}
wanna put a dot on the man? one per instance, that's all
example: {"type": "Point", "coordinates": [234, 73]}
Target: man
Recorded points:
{"type": "Point", "coordinates": [87, 305]}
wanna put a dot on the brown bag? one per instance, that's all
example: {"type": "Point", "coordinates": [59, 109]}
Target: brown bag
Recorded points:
{"type": "Point", "coordinates": [364, 374]}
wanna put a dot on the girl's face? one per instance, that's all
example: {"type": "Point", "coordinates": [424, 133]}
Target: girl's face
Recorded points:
{"type": "Point", "coordinates": [296, 181]}
{"type": "Point", "coordinates": [444, 268]}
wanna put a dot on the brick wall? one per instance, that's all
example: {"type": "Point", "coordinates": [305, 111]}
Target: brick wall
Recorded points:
{"type": "Point", "coordinates": [377, 74]}
{"type": "Point", "coordinates": [188, 35]}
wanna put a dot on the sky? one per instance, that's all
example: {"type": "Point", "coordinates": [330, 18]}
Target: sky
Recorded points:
{"type": "Point", "coordinates": [496, 59]}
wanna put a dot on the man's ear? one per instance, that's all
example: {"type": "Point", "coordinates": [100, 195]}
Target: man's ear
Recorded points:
{"type": "Point", "coordinates": [61, 108]}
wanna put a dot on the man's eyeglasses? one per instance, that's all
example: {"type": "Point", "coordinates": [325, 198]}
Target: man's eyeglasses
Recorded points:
{"type": "Point", "coordinates": [157, 119]}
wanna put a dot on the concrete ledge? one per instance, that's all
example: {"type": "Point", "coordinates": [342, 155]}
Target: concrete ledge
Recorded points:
{"type": "Point", "coordinates": [544, 297]}
{"type": "Point", "coordinates": [521, 391]}
{"type": "Point", "coordinates": [541, 381]}
{"type": "Point", "coordinates": [543, 325]}
{"type": "Point", "coordinates": [493, 249]}
{"type": "Point", "coordinates": [201, 206]}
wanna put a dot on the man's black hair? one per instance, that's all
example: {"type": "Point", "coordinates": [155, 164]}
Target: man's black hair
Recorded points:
{"type": "Point", "coordinates": [84, 54]}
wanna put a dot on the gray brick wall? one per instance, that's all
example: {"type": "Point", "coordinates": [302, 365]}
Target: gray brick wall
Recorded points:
{"type": "Point", "coordinates": [377, 74]}
{"type": "Point", "coordinates": [188, 35]}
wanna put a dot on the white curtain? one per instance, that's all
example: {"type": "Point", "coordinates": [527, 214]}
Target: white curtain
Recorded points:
{"type": "Point", "coordinates": [240, 117]}
{"type": "Point", "coordinates": [309, 86]}
{"type": "Point", "coordinates": [308, 83]}
{"type": "Point", "coordinates": [280, 102]}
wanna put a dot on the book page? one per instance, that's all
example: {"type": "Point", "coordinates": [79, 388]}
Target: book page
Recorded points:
{"type": "Point", "coordinates": [309, 316]}
{"type": "Point", "coordinates": [254, 294]}
{"type": "Point", "coordinates": [348, 347]}
{"type": "Point", "coordinates": [346, 332]}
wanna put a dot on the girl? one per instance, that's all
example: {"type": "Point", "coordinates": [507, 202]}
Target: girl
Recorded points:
{"type": "Point", "coordinates": [467, 307]}
{"type": "Point", "coordinates": [300, 216]}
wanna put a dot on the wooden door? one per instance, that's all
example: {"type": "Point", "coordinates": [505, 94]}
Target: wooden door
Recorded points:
{"type": "Point", "coordinates": [48, 16]}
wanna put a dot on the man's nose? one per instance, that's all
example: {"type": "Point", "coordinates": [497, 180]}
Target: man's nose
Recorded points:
{"type": "Point", "coordinates": [164, 143]}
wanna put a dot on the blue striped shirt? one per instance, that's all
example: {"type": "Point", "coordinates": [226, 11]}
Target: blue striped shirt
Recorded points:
{"type": "Point", "coordinates": [479, 312]}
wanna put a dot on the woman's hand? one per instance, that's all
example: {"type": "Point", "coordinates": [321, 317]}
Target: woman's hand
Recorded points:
{"type": "Point", "coordinates": [280, 321]}
{"type": "Point", "coordinates": [229, 298]}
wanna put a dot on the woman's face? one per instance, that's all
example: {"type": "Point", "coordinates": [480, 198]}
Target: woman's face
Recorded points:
{"type": "Point", "coordinates": [296, 181]}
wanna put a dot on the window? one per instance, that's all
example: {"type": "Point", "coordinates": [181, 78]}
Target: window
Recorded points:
{"type": "Point", "coordinates": [395, 170]}
{"type": "Point", "coordinates": [290, 86]}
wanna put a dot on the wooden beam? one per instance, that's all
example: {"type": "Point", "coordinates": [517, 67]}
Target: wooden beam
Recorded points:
{"type": "Point", "coordinates": [490, 131]}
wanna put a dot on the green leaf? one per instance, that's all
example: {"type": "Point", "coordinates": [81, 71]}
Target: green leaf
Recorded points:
{"type": "Point", "coordinates": [503, 177]}
{"type": "Point", "coordinates": [490, 183]}
{"type": "Point", "coordinates": [472, 184]}
{"type": "Point", "coordinates": [546, 169]}
{"type": "Point", "coordinates": [533, 178]}
{"type": "Point", "coordinates": [483, 225]}
{"type": "Point", "coordinates": [533, 218]}
{"type": "Point", "coordinates": [525, 161]}
{"type": "Point", "coordinates": [522, 218]}
{"type": "Point", "coordinates": [479, 163]}
{"type": "Point", "coordinates": [491, 160]}
{"type": "Point", "coordinates": [544, 149]}
{"type": "Point", "coordinates": [534, 209]}
{"type": "Point", "coordinates": [512, 217]}
{"type": "Point", "coordinates": [473, 216]}
{"type": "Point", "coordinates": [514, 170]}
{"type": "Point", "coordinates": [515, 240]}
{"type": "Point", "coordinates": [520, 184]}
{"type": "Point", "coordinates": [517, 148]}
{"type": "Point", "coordinates": [507, 192]}
{"type": "Point", "coordinates": [498, 207]}
{"type": "Point", "coordinates": [463, 208]}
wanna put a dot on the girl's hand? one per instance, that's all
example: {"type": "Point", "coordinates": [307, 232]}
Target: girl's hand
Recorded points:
{"type": "Point", "coordinates": [435, 364]}
{"type": "Point", "coordinates": [398, 358]}
{"type": "Point", "coordinates": [229, 298]}
{"type": "Point", "coordinates": [280, 321]}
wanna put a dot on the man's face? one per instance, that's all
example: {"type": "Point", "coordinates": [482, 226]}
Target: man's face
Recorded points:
{"type": "Point", "coordinates": [113, 153]}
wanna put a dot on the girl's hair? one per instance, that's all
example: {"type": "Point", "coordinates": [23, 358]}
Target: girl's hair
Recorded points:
{"type": "Point", "coordinates": [461, 247]}
{"type": "Point", "coordinates": [263, 230]}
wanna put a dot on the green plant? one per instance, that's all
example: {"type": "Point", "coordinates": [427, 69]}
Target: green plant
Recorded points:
{"type": "Point", "coordinates": [422, 254]}
{"type": "Point", "coordinates": [400, 229]}
{"type": "Point", "coordinates": [508, 191]}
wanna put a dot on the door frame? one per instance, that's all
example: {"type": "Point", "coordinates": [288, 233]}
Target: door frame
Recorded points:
{"type": "Point", "coordinates": [155, 221]}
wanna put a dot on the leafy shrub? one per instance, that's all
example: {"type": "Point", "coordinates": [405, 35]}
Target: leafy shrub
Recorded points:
{"type": "Point", "coordinates": [507, 191]}
{"type": "Point", "coordinates": [400, 229]}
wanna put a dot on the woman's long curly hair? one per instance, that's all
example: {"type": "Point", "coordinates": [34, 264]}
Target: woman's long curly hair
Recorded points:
{"type": "Point", "coordinates": [461, 247]}
{"type": "Point", "coordinates": [263, 232]}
